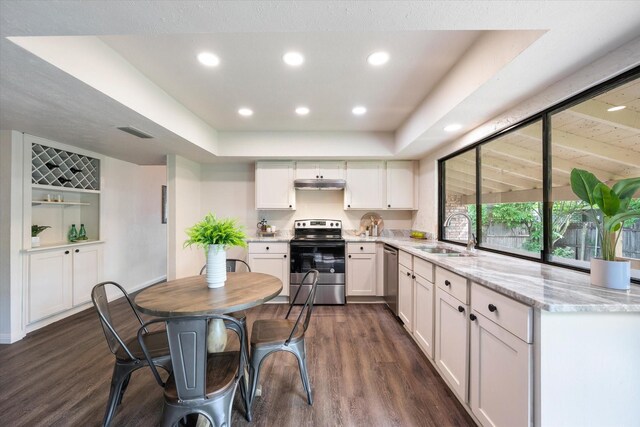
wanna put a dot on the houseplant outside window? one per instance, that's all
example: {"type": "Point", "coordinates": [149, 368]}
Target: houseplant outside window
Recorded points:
{"type": "Point", "coordinates": [215, 236]}
{"type": "Point", "coordinates": [614, 206]}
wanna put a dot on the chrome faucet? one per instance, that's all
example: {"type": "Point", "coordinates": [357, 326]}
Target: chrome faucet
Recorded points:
{"type": "Point", "coordinates": [472, 242]}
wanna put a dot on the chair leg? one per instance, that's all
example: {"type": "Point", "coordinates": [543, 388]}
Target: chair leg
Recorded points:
{"type": "Point", "coordinates": [125, 384]}
{"type": "Point", "coordinates": [244, 393]}
{"type": "Point", "coordinates": [302, 364]}
{"type": "Point", "coordinates": [256, 361]}
{"type": "Point", "coordinates": [121, 374]}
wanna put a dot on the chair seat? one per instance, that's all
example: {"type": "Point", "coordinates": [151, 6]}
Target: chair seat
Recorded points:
{"type": "Point", "coordinates": [156, 343]}
{"type": "Point", "coordinates": [222, 369]}
{"type": "Point", "coordinates": [274, 331]}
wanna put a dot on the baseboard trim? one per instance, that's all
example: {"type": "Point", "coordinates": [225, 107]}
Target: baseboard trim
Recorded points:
{"type": "Point", "coordinates": [11, 338]}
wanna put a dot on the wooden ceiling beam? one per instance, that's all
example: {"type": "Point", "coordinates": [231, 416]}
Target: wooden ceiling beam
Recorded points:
{"type": "Point", "coordinates": [596, 110]}
{"type": "Point", "coordinates": [501, 178]}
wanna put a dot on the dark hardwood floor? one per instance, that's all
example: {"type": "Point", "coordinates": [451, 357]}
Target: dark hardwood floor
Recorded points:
{"type": "Point", "coordinates": [364, 371]}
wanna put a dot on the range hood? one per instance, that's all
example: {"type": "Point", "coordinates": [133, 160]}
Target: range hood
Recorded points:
{"type": "Point", "coordinates": [319, 184]}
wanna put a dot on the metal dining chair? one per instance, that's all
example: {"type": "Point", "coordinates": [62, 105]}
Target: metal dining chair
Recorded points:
{"type": "Point", "coordinates": [129, 354]}
{"type": "Point", "coordinates": [272, 335]}
{"type": "Point", "coordinates": [200, 383]}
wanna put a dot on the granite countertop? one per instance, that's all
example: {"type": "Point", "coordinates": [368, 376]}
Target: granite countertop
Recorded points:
{"type": "Point", "coordinates": [545, 287]}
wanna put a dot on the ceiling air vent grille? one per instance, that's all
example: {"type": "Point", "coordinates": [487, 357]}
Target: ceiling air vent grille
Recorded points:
{"type": "Point", "coordinates": [135, 132]}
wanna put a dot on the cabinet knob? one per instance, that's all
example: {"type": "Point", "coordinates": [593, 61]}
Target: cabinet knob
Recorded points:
{"type": "Point", "coordinates": [267, 248]}
{"type": "Point", "coordinates": [472, 317]}
{"type": "Point", "coordinates": [388, 206]}
{"type": "Point", "coordinates": [413, 276]}
{"type": "Point", "coordinates": [408, 274]}
{"type": "Point", "coordinates": [492, 308]}
{"type": "Point", "coordinates": [285, 255]}
{"type": "Point", "coordinates": [77, 250]}
{"type": "Point", "coordinates": [461, 309]}
{"type": "Point", "coordinates": [361, 248]}
{"type": "Point", "coordinates": [348, 206]}
{"type": "Point", "coordinates": [321, 176]}
{"type": "Point", "coordinates": [66, 252]}
{"type": "Point", "coordinates": [349, 256]}
{"type": "Point", "coordinates": [317, 176]}
{"type": "Point", "coordinates": [447, 283]}
{"type": "Point", "coordinates": [290, 206]}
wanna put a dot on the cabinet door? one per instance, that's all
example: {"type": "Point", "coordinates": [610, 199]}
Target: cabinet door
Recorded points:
{"type": "Point", "coordinates": [87, 272]}
{"type": "Point", "coordinates": [405, 297]}
{"type": "Point", "coordinates": [423, 310]}
{"type": "Point", "coordinates": [331, 170]}
{"type": "Point", "coordinates": [274, 185]}
{"type": "Point", "coordinates": [361, 275]}
{"type": "Point", "coordinates": [400, 185]}
{"type": "Point", "coordinates": [274, 264]}
{"type": "Point", "coordinates": [307, 170]}
{"type": "Point", "coordinates": [452, 339]}
{"type": "Point", "coordinates": [365, 189]}
{"type": "Point", "coordinates": [49, 283]}
{"type": "Point", "coordinates": [500, 375]}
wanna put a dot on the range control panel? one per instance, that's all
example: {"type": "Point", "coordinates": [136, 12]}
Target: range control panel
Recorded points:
{"type": "Point", "coordinates": [318, 223]}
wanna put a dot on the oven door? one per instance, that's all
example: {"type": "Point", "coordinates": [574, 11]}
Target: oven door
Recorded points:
{"type": "Point", "coordinates": [328, 258]}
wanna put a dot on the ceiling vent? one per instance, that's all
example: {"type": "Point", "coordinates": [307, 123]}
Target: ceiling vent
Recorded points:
{"type": "Point", "coordinates": [135, 132]}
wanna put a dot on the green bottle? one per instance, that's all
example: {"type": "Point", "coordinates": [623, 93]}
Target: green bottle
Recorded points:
{"type": "Point", "coordinates": [73, 233]}
{"type": "Point", "coordinates": [82, 234]}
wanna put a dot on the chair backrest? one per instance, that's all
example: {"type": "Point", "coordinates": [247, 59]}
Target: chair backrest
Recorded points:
{"type": "Point", "coordinates": [187, 337]}
{"type": "Point", "coordinates": [307, 308]}
{"type": "Point", "coordinates": [101, 303]}
{"type": "Point", "coordinates": [232, 264]}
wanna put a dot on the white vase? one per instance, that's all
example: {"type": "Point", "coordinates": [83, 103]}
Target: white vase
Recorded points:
{"type": "Point", "coordinates": [216, 266]}
{"type": "Point", "coordinates": [35, 241]}
{"type": "Point", "coordinates": [611, 274]}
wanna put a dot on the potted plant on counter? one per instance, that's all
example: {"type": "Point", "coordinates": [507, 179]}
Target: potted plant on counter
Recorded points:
{"type": "Point", "coordinates": [215, 236]}
{"type": "Point", "coordinates": [614, 204]}
{"type": "Point", "coordinates": [35, 230]}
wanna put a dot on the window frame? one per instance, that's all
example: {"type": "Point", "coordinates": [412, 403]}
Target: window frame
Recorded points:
{"type": "Point", "coordinates": [545, 117]}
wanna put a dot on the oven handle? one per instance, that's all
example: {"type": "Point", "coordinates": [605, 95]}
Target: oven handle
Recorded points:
{"type": "Point", "coordinates": [316, 244]}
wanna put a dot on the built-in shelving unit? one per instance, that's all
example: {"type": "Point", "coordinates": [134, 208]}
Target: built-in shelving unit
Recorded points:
{"type": "Point", "coordinates": [60, 168]}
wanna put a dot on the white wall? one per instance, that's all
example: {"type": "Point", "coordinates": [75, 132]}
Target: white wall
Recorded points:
{"type": "Point", "coordinates": [601, 70]}
{"type": "Point", "coordinates": [135, 252]}
{"type": "Point", "coordinates": [183, 182]}
{"type": "Point", "coordinates": [11, 226]}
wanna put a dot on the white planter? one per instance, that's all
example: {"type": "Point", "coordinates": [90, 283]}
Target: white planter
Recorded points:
{"type": "Point", "coordinates": [35, 241]}
{"type": "Point", "coordinates": [611, 274]}
{"type": "Point", "coordinates": [216, 266]}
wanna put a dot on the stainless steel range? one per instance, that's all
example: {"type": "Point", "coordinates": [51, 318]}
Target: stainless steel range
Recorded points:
{"type": "Point", "coordinates": [318, 244]}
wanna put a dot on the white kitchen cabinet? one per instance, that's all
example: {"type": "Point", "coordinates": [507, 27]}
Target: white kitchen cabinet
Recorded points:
{"type": "Point", "coordinates": [361, 269]}
{"type": "Point", "coordinates": [274, 185]}
{"type": "Point", "coordinates": [87, 272]}
{"type": "Point", "coordinates": [319, 170]}
{"type": "Point", "coordinates": [365, 185]}
{"type": "Point", "coordinates": [60, 279]}
{"type": "Point", "coordinates": [423, 314]}
{"type": "Point", "coordinates": [452, 341]}
{"type": "Point", "coordinates": [271, 259]}
{"type": "Point", "coordinates": [405, 297]}
{"type": "Point", "coordinates": [50, 290]}
{"type": "Point", "coordinates": [401, 185]}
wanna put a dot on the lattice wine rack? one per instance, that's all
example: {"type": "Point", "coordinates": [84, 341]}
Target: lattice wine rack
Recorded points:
{"type": "Point", "coordinates": [50, 166]}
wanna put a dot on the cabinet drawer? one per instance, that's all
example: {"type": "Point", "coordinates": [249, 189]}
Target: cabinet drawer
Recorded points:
{"type": "Point", "coordinates": [361, 248]}
{"type": "Point", "coordinates": [512, 315]}
{"type": "Point", "coordinates": [423, 269]}
{"type": "Point", "coordinates": [405, 259]}
{"type": "Point", "coordinates": [453, 284]}
{"type": "Point", "coordinates": [268, 248]}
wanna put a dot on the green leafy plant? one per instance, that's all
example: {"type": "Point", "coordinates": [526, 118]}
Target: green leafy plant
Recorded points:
{"type": "Point", "coordinates": [614, 203]}
{"type": "Point", "coordinates": [37, 229]}
{"type": "Point", "coordinates": [213, 231]}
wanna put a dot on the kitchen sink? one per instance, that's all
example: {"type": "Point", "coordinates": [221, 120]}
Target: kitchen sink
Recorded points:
{"type": "Point", "coordinates": [441, 251]}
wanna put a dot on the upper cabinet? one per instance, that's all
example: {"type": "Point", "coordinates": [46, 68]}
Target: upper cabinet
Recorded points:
{"type": "Point", "coordinates": [365, 185]}
{"type": "Point", "coordinates": [274, 185]}
{"type": "Point", "coordinates": [401, 188]}
{"type": "Point", "coordinates": [319, 170]}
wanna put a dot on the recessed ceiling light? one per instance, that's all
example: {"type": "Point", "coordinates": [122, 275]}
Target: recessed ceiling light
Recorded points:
{"type": "Point", "coordinates": [617, 108]}
{"type": "Point", "coordinates": [294, 59]}
{"type": "Point", "coordinates": [359, 110]}
{"type": "Point", "coordinates": [378, 58]}
{"type": "Point", "coordinates": [246, 112]}
{"type": "Point", "coordinates": [453, 127]}
{"type": "Point", "coordinates": [302, 111]}
{"type": "Point", "coordinates": [208, 59]}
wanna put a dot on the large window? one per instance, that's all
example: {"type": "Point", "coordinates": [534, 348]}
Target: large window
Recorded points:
{"type": "Point", "coordinates": [515, 185]}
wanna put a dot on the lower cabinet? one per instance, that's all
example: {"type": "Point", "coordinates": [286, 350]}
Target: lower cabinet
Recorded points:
{"type": "Point", "coordinates": [361, 269]}
{"type": "Point", "coordinates": [60, 279]}
{"type": "Point", "coordinates": [273, 259]}
{"type": "Point", "coordinates": [405, 297]}
{"type": "Point", "coordinates": [423, 310]}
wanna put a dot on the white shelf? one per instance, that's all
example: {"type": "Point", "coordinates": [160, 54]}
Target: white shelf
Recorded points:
{"type": "Point", "coordinates": [44, 202]}
{"type": "Point", "coordinates": [55, 189]}
{"type": "Point", "coordinates": [60, 245]}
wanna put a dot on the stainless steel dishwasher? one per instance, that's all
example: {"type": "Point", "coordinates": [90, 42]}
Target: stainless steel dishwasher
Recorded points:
{"type": "Point", "coordinates": [391, 278]}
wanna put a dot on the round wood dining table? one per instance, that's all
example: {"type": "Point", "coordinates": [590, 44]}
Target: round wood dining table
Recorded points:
{"type": "Point", "coordinates": [190, 295]}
